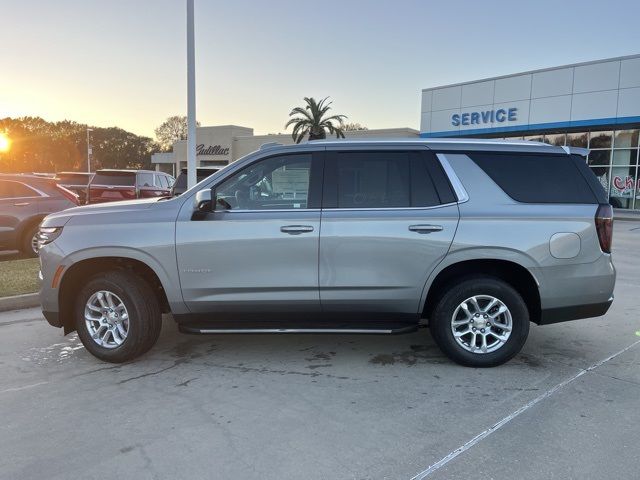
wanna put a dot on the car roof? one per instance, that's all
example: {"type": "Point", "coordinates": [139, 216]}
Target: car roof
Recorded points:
{"type": "Point", "coordinates": [24, 176]}
{"type": "Point", "coordinates": [125, 170]}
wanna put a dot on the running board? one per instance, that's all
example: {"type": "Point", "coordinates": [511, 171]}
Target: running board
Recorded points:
{"type": "Point", "coordinates": [378, 329]}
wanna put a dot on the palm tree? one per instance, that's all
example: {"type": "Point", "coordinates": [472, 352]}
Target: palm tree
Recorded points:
{"type": "Point", "coordinates": [311, 121]}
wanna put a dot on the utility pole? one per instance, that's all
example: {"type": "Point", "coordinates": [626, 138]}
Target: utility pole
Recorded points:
{"type": "Point", "coordinates": [191, 97]}
{"type": "Point", "coordinates": [89, 151]}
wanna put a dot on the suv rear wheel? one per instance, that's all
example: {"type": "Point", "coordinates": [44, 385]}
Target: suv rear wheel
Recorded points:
{"type": "Point", "coordinates": [480, 322]}
{"type": "Point", "coordinates": [117, 316]}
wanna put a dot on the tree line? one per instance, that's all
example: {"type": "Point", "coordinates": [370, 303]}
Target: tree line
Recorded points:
{"type": "Point", "coordinates": [42, 146]}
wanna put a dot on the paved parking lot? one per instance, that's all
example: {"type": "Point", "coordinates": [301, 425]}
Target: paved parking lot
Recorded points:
{"type": "Point", "coordinates": [327, 407]}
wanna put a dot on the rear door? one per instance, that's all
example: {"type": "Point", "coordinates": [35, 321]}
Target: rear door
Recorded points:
{"type": "Point", "coordinates": [388, 218]}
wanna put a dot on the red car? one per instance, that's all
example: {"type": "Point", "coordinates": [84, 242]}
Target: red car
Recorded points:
{"type": "Point", "coordinates": [116, 185]}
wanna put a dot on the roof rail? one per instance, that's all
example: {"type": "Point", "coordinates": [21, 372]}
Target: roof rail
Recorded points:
{"type": "Point", "coordinates": [265, 146]}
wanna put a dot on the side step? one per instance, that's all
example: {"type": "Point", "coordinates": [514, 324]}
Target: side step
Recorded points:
{"type": "Point", "coordinates": [379, 328]}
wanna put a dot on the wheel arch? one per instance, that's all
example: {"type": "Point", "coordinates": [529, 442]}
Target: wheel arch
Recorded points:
{"type": "Point", "coordinates": [78, 273]}
{"type": "Point", "coordinates": [512, 272]}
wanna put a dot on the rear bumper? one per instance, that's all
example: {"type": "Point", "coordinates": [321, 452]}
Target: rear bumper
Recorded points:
{"type": "Point", "coordinates": [576, 312]}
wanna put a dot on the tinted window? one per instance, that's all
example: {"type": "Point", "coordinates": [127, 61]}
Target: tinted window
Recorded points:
{"type": "Point", "coordinates": [275, 183]}
{"type": "Point", "coordinates": [381, 180]}
{"type": "Point", "coordinates": [9, 189]}
{"type": "Point", "coordinates": [73, 178]}
{"type": "Point", "coordinates": [145, 179]}
{"type": "Point", "coordinates": [536, 178]}
{"type": "Point", "coordinates": [127, 179]}
{"type": "Point", "coordinates": [373, 180]}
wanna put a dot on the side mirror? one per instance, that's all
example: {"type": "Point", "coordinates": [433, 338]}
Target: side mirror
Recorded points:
{"type": "Point", "coordinates": [202, 203]}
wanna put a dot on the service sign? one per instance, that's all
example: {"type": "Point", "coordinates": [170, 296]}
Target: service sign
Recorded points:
{"type": "Point", "coordinates": [484, 117]}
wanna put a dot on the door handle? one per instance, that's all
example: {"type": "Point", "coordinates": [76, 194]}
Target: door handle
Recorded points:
{"type": "Point", "coordinates": [296, 229]}
{"type": "Point", "coordinates": [21, 204]}
{"type": "Point", "coordinates": [425, 228]}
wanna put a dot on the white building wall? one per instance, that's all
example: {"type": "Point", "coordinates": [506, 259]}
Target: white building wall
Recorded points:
{"type": "Point", "coordinates": [599, 93]}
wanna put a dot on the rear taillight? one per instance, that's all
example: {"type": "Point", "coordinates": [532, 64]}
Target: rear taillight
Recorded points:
{"type": "Point", "coordinates": [68, 194]}
{"type": "Point", "coordinates": [604, 227]}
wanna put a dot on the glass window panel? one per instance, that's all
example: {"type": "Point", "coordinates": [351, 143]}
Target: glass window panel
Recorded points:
{"type": "Point", "coordinates": [602, 173]}
{"type": "Point", "coordinates": [274, 183]}
{"type": "Point", "coordinates": [599, 157]}
{"type": "Point", "coordinates": [557, 139]}
{"type": "Point", "coordinates": [600, 139]}
{"type": "Point", "coordinates": [626, 139]}
{"type": "Point", "coordinates": [623, 183]}
{"type": "Point", "coordinates": [373, 180]}
{"type": "Point", "coordinates": [578, 139]}
{"type": "Point", "coordinates": [625, 157]}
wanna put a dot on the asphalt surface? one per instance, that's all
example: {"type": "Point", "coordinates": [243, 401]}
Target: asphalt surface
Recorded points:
{"type": "Point", "coordinates": [328, 407]}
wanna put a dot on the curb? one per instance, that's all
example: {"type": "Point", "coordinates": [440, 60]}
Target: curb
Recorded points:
{"type": "Point", "coordinates": [17, 302]}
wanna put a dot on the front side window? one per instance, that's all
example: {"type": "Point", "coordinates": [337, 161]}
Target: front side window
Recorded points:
{"type": "Point", "coordinates": [275, 183]}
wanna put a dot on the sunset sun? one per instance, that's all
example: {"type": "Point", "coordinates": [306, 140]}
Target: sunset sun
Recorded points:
{"type": "Point", "coordinates": [5, 143]}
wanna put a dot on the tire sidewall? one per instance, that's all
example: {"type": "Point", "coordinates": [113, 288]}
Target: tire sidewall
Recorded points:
{"type": "Point", "coordinates": [441, 321]}
{"type": "Point", "coordinates": [27, 238]}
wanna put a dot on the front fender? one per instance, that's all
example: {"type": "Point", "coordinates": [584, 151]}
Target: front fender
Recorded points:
{"type": "Point", "coordinates": [163, 265]}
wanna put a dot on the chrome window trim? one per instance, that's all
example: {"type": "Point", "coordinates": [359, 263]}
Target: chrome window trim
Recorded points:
{"type": "Point", "coordinates": [268, 210]}
{"type": "Point", "coordinates": [458, 188]}
{"type": "Point", "coordinates": [376, 209]}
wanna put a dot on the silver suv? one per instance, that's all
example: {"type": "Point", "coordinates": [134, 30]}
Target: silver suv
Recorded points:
{"type": "Point", "coordinates": [474, 238]}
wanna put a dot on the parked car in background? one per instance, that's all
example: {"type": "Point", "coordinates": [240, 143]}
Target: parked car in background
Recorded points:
{"type": "Point", "coordinates": [180, 186]}
{"type": "Point", "coordinates": [116, 185]}
{"type": "Point", "coordinates": [24, 201]}
{"type": "Point", "coordinates": [474, 238]}
{"type": "Point", "coordinates": [77, 182]}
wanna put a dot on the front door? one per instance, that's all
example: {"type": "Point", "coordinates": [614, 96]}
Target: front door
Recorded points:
{"type": "Point", "coordinates": [258, 250]}
{"type": "Point", "coordinates": [388, 219]}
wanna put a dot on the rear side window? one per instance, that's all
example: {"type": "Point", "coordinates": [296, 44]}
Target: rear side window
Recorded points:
{"type": "Point", "coordinates": [536, 178]}
{"type": "Point", "coordinates": [382, 179]}
{"type": "Point", "coordinates": [113, 178]}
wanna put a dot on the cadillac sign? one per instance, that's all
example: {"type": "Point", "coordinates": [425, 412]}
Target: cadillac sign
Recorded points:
{"type": "Point", "coordinates": [211, 150]}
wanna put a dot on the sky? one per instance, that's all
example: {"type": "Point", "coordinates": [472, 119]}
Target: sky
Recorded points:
{"type": "Point", "coordinates": [123, 62]}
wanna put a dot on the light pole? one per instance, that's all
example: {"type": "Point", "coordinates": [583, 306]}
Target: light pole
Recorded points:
{"type": "Point", "coordinates": [191, 98]}
{"type": "Point", "coordinates": [89, 152]}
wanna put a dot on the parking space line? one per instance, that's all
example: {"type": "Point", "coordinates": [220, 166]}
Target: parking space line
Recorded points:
{"type": "Point", "coordinates": [17, 389]}
{"type": "Point", "coordinates": [481, 436]}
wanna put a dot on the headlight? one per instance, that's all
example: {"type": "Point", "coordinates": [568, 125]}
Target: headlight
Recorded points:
{"type": "Point", "coordinates": [47, 235]}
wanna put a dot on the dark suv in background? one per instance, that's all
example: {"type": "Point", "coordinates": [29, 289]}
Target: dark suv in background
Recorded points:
{"type": "Point", "coordinates": [181, 181]}
{"type": "Point", "coordinates": [116, 185]}
{"type": "Point", "coordinates": [24, 201]}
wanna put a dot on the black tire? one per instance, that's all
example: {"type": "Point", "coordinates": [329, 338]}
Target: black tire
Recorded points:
{"type": "Point", "coordinates": [145, 317]}
{"type": "Point", "coordinates": [26, 247]}
{"type": "Point", "coordinates": [441, 318]}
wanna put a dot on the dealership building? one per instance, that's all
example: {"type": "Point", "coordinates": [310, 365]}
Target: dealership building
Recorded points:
{"type": "Point", "coordinates": [595, 105]}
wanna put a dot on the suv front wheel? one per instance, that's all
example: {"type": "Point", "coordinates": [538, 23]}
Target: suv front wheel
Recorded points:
{"type": "Point", "coordinates": [480, 322]}
{"type": "Point", "coordinates": [117, 316]}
